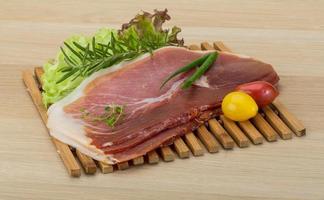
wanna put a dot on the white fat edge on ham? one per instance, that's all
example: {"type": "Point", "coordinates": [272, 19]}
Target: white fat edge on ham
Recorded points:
{"type": "Point", "coordinates": [70, 130]}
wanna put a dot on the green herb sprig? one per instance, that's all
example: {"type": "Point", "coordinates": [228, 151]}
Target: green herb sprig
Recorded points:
{"type": "Point", "coordinates": [202, 64]}
{"type": "Point", "coordinates": [112, 114]}
{"type": "Point", "coordinates": [84, 61]}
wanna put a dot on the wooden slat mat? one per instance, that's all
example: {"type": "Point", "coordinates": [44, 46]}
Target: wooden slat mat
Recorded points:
{"type": "Point", "coordinates": [272, 121]}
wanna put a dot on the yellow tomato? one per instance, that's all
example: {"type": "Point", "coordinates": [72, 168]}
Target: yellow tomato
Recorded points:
{"type": "Point", "coordinates": [239, 106]}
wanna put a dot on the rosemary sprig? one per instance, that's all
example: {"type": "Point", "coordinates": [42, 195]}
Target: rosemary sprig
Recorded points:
{"type": "Point", "coordinates": [84, 61]}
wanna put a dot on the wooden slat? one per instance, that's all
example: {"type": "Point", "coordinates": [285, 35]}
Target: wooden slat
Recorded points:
{"type": "Point", "coordinates": [138, 161]}
{"type": "Point", "coordinates": [63, 150]}
{"type": "Point", "coordinates": [218, 45]}
{"type": "Point", "coordinates": [281, 128]}
{"type": "Point", "coordinates": [220, 133]}
{"type": "Point", "coordinates": [254, 135]}
{"type": "Point", "coordinates": [235, 132]}
{"type": "Point", "coordinates": [194, 47]}
{"type": "Point", "coordinates": [264, 127]}
{"type": "Point", "coordinates": [88, 164]}
{"type": "Point", "coordinates": [206, 46]}
{"type": "Point", "coordinates": [181, 148]}
{"type": "Point", "coordinates": [208, 139]}
{"type": "Point", "coordinates": [35, 94]}
{"type": "Point", "coordinates": [167, 154]}
{"type": "Point", "coordinates": [67, 157]}
{"type": "Point", "coordinates": [38, 73]}
{"type": "Point", "coordinates": [152, 157]}
{"type": "Point", "coordinates": [293, 123]}
{"type": "Point", "coordinates": [193, 144]}
{"type": "Point", "coordinates": [105, 168]}
{"type": "Point", "coordinates": [123, 165]}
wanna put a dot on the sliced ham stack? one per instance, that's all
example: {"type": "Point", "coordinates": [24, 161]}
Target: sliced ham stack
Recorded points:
{"type": "Point", "coordinates": [152, 116]}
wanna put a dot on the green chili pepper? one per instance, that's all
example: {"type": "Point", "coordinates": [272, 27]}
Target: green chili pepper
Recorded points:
{"type": "Point", "coordinates": [186, 68]}
{"type": "Point", "coordinates": [201, 70]}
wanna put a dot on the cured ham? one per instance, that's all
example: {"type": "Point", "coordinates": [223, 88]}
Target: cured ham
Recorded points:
{"type": "Point", "coordinates": [151, 116]}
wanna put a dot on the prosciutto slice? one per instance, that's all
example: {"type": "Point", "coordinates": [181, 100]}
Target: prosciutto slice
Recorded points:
{"type": "Point", "coordinates": [152, 116]}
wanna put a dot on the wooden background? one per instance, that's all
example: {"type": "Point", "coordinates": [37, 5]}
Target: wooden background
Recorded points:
{"type": "Point", "coordinates": [288, 34]}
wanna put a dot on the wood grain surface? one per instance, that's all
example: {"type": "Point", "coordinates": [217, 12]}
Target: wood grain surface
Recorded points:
{"type": "Point", "coordinates": [289, 34]}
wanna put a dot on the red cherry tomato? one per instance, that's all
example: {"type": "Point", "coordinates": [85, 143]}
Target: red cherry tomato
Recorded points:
{"type": "Point", "coordinates": [262, 92]}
